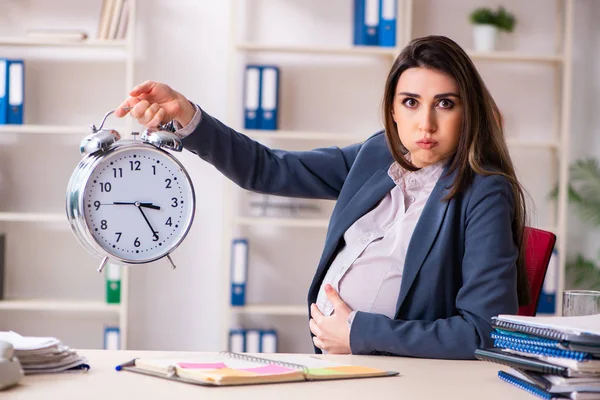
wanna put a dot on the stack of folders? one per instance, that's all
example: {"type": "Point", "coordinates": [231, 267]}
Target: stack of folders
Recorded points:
{"type": "Point", "coordinates": [551, 357]}
{"type": "Point", "coordinates": [261, 97]}
{"type": "Point", "coordinates": [253, 340]}
{"type": "Point", "coordinates": [375, 23]}
{"type": "Point", "coordinates": [39, 355]}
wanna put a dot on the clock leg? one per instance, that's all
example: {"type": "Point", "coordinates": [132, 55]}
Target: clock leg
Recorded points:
{"type": "Point", "coordinates": [103, 264]}
{"type": "Point", "coordinates": [171, 261]}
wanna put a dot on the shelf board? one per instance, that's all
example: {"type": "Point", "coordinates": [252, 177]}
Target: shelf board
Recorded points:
{"type": "Point", "coordinates": [59, 305]}
{"type": "Point", "coordinates": [511, 56]}
{"type": "Point", "coordinates": [349, 50]}
{"type": "Point", "coordinates": [32, 217]}
{"type": "Point", "coordinates": [33, 42]}
{"type": "Point", "coordinates": [534, 144]}
{"type": "Point", "coordinates": [270, 309]}
{"type": "Point", "coordinates": [46, 129]}
{"type": "Point", "coordinates": [284, 222]}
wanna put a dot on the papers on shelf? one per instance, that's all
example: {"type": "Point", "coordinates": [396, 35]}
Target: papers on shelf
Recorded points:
{"type": "Point", "coordinates": [44, 354]}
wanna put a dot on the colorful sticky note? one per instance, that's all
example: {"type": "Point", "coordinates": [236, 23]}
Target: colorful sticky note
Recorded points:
{"type": "Point", "coordinates": [191, 365]}
{"type": "Point", "coordinates": [351, 369]}
{"type": "Point", "coordinates": [270, 369]}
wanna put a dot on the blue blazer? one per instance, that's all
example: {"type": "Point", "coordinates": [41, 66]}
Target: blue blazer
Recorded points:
{"type": "Point", "coordinates": [460, 267]}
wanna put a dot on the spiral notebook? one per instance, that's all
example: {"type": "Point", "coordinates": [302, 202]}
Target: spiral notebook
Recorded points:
{"type": "Point", "coordinates": [528, 387]}
{"type": "Point", "coordinates": [581, 329]}
{"type": "Point", "coordinates": [226, 369]}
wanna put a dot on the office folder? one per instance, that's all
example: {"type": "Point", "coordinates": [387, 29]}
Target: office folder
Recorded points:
{"type": "Point", "coordinates": [547, 301]}
{"type": "Point", "coordinates": [113, 283]}
{"type": "Point", "coordinates": [239, 268]}
{"type": "Point", "coordinates": [268, 341]}
{"type": "Point", "coordinates": [112, 338]}
{"type": "Point", "coordinates": [366, 22]}
{"type": "Point", "coordinates": [252, 87]}
{"type": "Point", "coordinates": [3, 91]}
{"type": "Point", "coordinates": [237, 340]}
{"type": "Point", "coordinates": [252, 341]}
{"type": "Point", "coordinates": [16, 91]}
{"type": "Point", "coordinates": [269, 97]}
{"type": "Point", "coordinates": [387, 23]}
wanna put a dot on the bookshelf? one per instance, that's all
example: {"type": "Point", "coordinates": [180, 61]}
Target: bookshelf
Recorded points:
{"type": "Point", "coordinates": [295, 133]}
{"type": "Point", "coordinates": [51, 287]}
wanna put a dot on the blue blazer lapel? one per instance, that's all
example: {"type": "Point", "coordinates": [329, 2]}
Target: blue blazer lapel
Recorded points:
{"type": "Point", "coordinates": [424, 235]}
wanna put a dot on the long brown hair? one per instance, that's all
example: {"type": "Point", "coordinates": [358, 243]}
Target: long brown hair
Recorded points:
{"type": "Point", "coordinates": [481, 147]}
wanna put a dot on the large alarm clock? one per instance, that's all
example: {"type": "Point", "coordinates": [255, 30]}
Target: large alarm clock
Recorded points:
{"type": "Point", "coordinates": [130, 201]}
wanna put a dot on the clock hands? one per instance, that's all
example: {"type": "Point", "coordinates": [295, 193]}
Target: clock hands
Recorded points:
{"type": "Point", "coordinates": [137, 204]}
{"type": "Point", "coordinates": [139, 207]}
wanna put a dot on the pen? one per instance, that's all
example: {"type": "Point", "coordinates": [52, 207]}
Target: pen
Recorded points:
{"type": "Point", "coordinates": [126, 364]}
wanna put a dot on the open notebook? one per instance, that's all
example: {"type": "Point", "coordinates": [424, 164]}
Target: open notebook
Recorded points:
{"type": "Point", "coordinates": [225, 369]}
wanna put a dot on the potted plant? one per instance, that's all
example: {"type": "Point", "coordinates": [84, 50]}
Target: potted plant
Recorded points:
{"type": "Point", "coordinates": [486, 24]}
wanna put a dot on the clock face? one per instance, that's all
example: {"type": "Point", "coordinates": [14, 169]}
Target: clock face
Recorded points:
{"type": "Point", "coordinates": [139, 204]}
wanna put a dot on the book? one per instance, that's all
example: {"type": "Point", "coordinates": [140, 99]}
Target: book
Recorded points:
{"type": "Point", "coordinates": [228, 368]}
{"type": "Point", "coordinates": [499, 356]}
{"type": "Point", "coordinates": [579, 329]}
{"type": "Point", "coordinates": [559, 384]}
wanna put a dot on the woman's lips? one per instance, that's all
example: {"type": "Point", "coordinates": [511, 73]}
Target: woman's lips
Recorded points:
{"type": "Point", "coordinates": [427, 144]}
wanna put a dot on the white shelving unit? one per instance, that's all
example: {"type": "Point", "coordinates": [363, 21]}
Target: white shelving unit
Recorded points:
{"type": "Point", "coordinates": [556, 144]}
{"type": "Point", "coordinates": [90, 50]}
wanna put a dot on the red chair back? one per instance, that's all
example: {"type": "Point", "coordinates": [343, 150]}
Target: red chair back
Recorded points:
{"type": "Point", "coordinates": [537, 257]}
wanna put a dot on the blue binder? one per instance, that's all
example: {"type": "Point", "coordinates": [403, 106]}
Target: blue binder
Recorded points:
{"type": "Point", "coordinates": [112, 338]}
{"type": "Point", "coordinates": [526, 386]}
{"type": "Point", "coordinates": [269, 97]}
{"type": "Point", "coordinates": [16, 91]}
{"type": "Point", "coordinates": [547, 302]}
{"type": "Point", "coordinates": [239, 269]}
{"type": "Point", "coordinates": [237, 340]}
{"type": "Point", "coordinates": [387, 23]}
{"type": "Point", "coordinates": [268, 341]}
{"type": "Point", "coordinates": [3, 91]}
{"type": "Point", "coordinates": [252, 87]}
{"type": "Point", "coordinates": [366, 22]}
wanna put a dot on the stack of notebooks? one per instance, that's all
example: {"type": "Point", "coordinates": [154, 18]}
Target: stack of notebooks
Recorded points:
{"type": "Point", "coordinates": [551, 357]}
{"type": "Point", "coordinates": [39, 355]}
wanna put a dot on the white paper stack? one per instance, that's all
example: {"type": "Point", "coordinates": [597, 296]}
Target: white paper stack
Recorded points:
{"type": "Point", "coordinates": [44, 354]}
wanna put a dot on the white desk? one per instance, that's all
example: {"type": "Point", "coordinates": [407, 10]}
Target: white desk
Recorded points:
{"type": "Point", "coordinates": [418, 379]}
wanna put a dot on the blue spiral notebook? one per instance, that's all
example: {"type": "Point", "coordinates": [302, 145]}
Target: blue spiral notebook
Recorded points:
{"type": "Point", "coordinates": [529, 387]}
{"type": "Point", "coordinates": [539, 349]}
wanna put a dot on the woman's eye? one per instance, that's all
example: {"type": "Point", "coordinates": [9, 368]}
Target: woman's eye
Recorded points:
{"type": "Point", "coordinates": [445, 103]}
{"type": "Point", "coordinates": [411, 103]}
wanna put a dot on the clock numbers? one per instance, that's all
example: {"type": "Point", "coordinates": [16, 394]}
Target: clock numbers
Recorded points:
{"type": "Point", "coordinates": [135, 165]}
{"type": "Point", "coordinates": [138, 204]}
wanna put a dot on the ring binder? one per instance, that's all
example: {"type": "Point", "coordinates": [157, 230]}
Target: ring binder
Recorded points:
{"type": "Point", "coordinates": [542, 350]}
{"type": "Point", "coordinates": [528, 387]}
{"type": "Point", "coordinates": [265, 361]}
